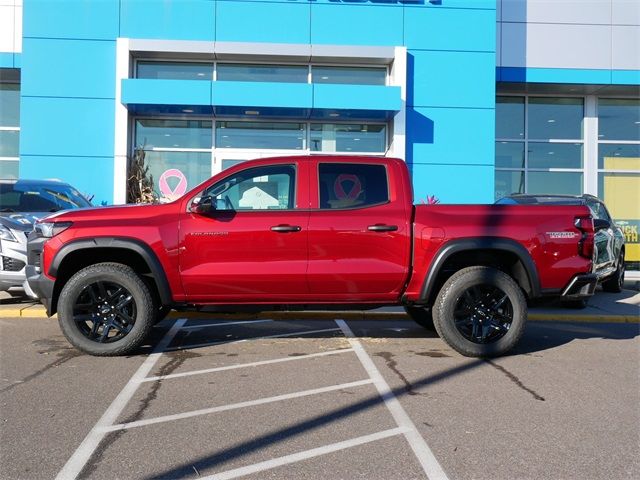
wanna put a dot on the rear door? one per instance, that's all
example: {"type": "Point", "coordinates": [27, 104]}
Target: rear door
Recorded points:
{"type": "Point", "coordinates": [359, 232]}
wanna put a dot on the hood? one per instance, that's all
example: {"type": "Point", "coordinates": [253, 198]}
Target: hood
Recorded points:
{"type": "Point", "coordinates": [21, 220]}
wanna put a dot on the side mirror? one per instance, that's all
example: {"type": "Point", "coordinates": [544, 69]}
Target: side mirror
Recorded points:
{"type": "Point", "coordinates": [203, 206]}
{"type": "Point", "coordinates": [600, 224]}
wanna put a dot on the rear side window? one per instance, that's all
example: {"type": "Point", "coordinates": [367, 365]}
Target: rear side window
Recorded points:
{"type": "Point", "coordinates": [352, 185]}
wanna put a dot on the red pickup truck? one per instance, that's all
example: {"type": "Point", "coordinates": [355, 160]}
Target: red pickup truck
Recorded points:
{"type": "Point", "coordinates": [308, 231]}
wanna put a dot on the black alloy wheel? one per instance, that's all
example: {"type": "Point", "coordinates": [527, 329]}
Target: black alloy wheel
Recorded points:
{"type": "Point", "coordinates": [615, 284]}
{"type": "Point", "coordinates": [106, 309]}
{"type": "Point", "coordinates": [480, 312]}
{"type": "Point", "coordinates": [483, 314]}
{"type": "Point", "coordinates": [104, 312]}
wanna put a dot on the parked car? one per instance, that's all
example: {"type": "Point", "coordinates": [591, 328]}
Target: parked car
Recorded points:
{"type": "Point", "coordinates": [608, 255]}
{"type": "Point", "coordinates": [22, 202]}
{"type": "Point", "coordinates": [309, 230]}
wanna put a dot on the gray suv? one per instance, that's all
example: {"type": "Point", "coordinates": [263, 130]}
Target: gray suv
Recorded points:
{"type": "Point", "coordinates": [22, 202]}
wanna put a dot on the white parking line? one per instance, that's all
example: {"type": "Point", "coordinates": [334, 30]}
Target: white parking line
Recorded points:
{"type": "Point", "coordinates": [305, 455]}
{"type": "Point", "coordinates": [223, 324]}
{"type": "Point", "coordinates": [418, 444]}
{"type": "Point", "coordinates": [226, 342]}
{"type": "Point", "coordinates": [83, 453]}
{"type": "Point", "coordinates": [244, 365]}
{"type": "Point", "coordinates": [233, 406]}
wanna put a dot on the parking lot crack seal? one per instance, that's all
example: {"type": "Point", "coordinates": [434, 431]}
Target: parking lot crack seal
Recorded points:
{"type": "Point", "coordinates": [63, 358]}
{"type": "Point", "coordinates": [515, 380]}
{"type": "Point", "coordinates": [393, 366]}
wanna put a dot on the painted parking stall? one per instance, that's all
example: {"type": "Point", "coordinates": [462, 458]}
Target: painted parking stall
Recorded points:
{"type": "Point", "coordinates": [322, 367]}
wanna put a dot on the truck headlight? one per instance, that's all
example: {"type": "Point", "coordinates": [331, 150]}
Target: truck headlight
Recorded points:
{"type": "Point", "coordinates": [50, 229]}
{"type": "Point", "coordinates": [5, 234]}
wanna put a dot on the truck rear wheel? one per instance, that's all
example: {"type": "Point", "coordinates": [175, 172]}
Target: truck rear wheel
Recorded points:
{"type": "Point", "coordinates": [106, 309]}
{"type": "Point", "coordinates": [421, 315]}
{"type": "Point", "coordinates": [480, 312]}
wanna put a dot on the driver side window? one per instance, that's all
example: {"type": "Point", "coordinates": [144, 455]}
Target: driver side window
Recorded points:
{"type": "Point", "coordinates": [259, 188]}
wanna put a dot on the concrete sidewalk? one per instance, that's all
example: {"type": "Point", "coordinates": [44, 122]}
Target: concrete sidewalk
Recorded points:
{"type": "Point", "coordinates": [603, 307]}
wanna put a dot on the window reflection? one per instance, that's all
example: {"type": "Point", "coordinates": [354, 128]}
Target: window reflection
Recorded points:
{"type": "Point", "coordinates": [9, 105]}
{"type": "Point", "coordinates": [9, 143]}
{"type": "Point", "coordinates": [618, 119]}
{"type": "Point", "coordinates": [508, 182]}
{"type": "Point", "coordinates": [349, 75]}
{"type": "Point", "coordinates": [329, 137]}
{"type": "Point", "coordinates": [510, 155]}
{"type": "Point", "coordinates": [262, 73]}
{"type": "Point", "coordinates": [555, 118]}
{"type": "Point", "coordinates": [568, 183]}
{"type": "Point", "coordinates": [175, 71]}
{"type": "Point", "coordinates": [260, 135]}
{"type": "Point", "coordinates": [510, 117]}
{"type": "Point", "coordinates": [615, 156]}
{"type": "Point", "coordinates": [555, 155]}
{"type": "Point", "coordinates": [156, 133]}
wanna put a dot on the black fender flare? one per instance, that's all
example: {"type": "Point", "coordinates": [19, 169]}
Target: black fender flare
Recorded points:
{"type": "Point", "coordinates": [485, 243]}
{"type": "Point", "coordinates": [125, 243]}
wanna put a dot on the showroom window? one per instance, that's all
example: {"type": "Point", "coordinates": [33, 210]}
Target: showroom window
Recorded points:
{"type": "Point", "coordinates": [619, 168]}
{"type": "Point", "coordinates": [539, 145]}
{"type": "Point", "coordinates": [362, 138]}
{"type": "Point", "coordinates": [260, 135]}
{"type": "Point", "coordinates": [9, 129]}
{"type": "Point", "coordinates": [177, 152]}
{"type": "Point", "coordinates": [243, 72]}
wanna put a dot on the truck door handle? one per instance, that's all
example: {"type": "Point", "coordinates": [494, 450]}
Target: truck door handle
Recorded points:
{"type": "Point", "coordinates": [382, 228]}
{"type": "Point", "coordinates": [286, 228]}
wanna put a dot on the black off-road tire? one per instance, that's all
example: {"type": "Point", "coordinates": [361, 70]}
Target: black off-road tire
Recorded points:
{"type": "Point", "coordinates": [116, 275]}
{"type": "Point", "coordinates": [615, 284]}
{"type": "Point", "coordinates": [421, 315]}
{"type": "Point", "coordinates": [453, 293]}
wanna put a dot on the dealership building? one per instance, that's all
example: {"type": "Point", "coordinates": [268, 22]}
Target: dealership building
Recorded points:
{"type": "Point", "coordinates": [481, 98]}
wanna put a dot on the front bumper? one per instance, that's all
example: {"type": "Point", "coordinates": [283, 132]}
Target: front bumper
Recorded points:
{"type": "Point", "coordinates": [580, 286]}
{"type": "Point", "coordinates": [40, 284]}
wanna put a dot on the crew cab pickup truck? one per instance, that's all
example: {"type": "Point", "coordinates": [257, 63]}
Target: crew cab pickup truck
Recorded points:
{"type": "Point", "coordinates": [309, 231]}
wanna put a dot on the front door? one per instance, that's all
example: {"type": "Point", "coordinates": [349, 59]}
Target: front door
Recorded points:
{"type": "Point", "coordinates": [252, 247]}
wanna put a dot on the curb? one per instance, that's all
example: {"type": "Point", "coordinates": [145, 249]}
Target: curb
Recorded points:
{"type": "Point", "coordinates": [37, 311]}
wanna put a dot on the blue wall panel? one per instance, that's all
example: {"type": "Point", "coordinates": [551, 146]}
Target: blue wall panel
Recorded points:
{"type": "Point", "coordinates": [6, 60]}
{"type": "Point", "coordinates": [341, 24]}
{"type": "Point", "coordinates": [451, 79]}
{"type": "Point", "coordinates": [238, 21]}
{"type": "Point", "coordinates": [167, 92]}
{"type": "Point", "coordinates": [454, 183]}
{"type": "Point", "coordinates": [431, 29]}
{"type": "Point", "coordinates": [450, 135]}
{"type": "Point", "coordinates": [69, 68]}
{"type": "Point", "coordinates": [169, 19]}
{"type": "Point", "coordinates": [81, 172]}
{"type": "Point", "coordinates": [76, 19]}
{"type": "Point", "coordinates": [67, 127]}
{"type": "Point", "coordinates": [357, 97]}
{"type": "Point", "coordinates": [625, 77]}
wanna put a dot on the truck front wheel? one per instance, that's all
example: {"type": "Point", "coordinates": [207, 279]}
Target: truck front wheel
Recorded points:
{"type": "Point", "coordinates": [106, 309]}
{"type": "Point", "coordinates": [480, 312]}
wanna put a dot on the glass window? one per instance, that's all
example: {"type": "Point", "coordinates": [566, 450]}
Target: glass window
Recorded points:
{"type": "Point", "coordinates": [352, 185]}
{"type": "Point", "coordinates": [612, 156]}
{"type": "Point", "coordinates": [508, 182]}
{"type": "Point", "coordinates": [9, 105]}
{"type": "Point", "coordinates": [349, 75]}
{"type": "Point", "coordinates": [260, 188]}
{"type": "Point", "coordinates": [175, 70]}
{"type": "Point", "coordinates": [555, 118]}
{"type": "Point", "coordinates": [260, 135]}
{"type": "Point", "coordinates": [621, 194]}
{"type": "Point", "coordinates": [29, 196]}
{"type": "Point", "coordinates": [568, 183]}
{"type": "Point", "coordinates": [328, 137]}
{"type": "Point", "coordinates": [555, 155]}
{"type": "Point", "coordinates": [9, 143]}
{"type": "Point", "coordinates": [154, 133]}
{"type": "Point", "coordinates": [510, 117]}
{"type": "Point", "coordinates": [509, 155]}
{"type": "Point", "coordinates": [262, 73]}
{"type": "Point", "coordinates": [9, 169]}
{"type": "Point", "coordinates": [618, 119]}
{"type": "Point", "coordinates": [174, 173]}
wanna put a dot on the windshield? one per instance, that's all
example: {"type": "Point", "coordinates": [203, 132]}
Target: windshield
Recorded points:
{"type": "Point", "coordinates": [29, 197]}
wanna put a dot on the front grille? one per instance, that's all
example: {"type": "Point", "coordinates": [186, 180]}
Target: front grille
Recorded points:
{"type": "Point", "coordinates": [11, 264]}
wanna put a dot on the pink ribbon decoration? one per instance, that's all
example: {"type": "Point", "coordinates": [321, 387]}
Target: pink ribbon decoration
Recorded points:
{"type": "Point", "coordinates": [338, 186]}
{"type": "Point", "coordinates": [166, 190]}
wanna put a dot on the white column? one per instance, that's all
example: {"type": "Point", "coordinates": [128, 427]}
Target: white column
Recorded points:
{"type": "Point", "coordinates": [121, 124]}
{"type": "Point", "coordinates": [397, 145]}
{"type": "Point", "coordinates": [591, 145]}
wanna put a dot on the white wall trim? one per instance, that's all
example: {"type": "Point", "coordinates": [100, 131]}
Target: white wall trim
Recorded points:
{"type": "Point", "coordinates": [397, 145]}
{"type": "Point", "coordinates": [121, 124]}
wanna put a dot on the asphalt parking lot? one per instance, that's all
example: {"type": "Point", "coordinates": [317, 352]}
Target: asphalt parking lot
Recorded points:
{"type": "Point", "coordinates": [308, 399]}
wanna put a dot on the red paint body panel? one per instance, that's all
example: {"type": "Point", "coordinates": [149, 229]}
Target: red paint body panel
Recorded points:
{"type": "Point", "coordinates": [335, 258]}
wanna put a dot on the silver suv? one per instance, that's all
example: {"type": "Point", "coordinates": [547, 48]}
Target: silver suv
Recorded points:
{"type": "Point", "coordinates": [22, 202]}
